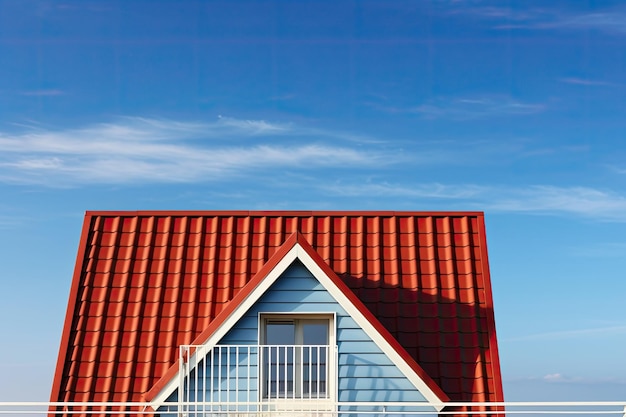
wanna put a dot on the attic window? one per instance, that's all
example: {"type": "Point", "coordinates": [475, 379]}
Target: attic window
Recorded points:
{"type": "Point", "coordinates": [296, 356]}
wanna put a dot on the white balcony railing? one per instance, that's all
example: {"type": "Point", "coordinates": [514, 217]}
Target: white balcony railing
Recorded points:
{"type": "Point", "coordinates": [254, 378]}
{"type": "Point", "coordinates": [381, 409]}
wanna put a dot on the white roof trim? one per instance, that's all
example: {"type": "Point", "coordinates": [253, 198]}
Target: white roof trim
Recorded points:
{"type": "Point", "coordinates": [298, 252]}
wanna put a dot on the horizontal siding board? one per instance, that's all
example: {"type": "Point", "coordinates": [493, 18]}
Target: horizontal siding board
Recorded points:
{"type": "Point", "coordinates": [360, 346]}
{"type": "Point", "coordinates": [248, 322]}
{"type": "Point", "coordinates": [374, 382]}
{"type": "Point", "coordinates": [347, 322]}
{"type": "Point", "coordinates": [298, 296]}
{"type": "Point", "coordinates": [378, 395]}
{"type": "Point", "coordinates": [298, 308]}
{"type": "Point", "coordinates": [389, 371]}
{"type": "Point", "coordinates": [241, 336]}
{"type": "Point", "coordinates": [365, 359]}
{"type": "Point", "coordinates": [347, 335]}
{"type": "Point", "coordinates": [298, 283]}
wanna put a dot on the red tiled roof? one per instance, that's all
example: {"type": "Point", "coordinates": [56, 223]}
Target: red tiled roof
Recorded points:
{"type": "Point", "coordinates": [147, 282]}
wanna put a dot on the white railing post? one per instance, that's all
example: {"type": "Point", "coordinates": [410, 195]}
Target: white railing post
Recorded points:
{"type": "Point", "coordinates": [181, 379]}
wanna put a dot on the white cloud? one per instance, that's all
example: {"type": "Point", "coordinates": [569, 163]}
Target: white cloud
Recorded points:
{"type": "Point", "coordinates": [431, 191]}
{"type": "Point", "coordinates": [43, 93]}
{"type": "Point", "coordinates": [572, 334]}
{"type": "Point", "coordinates": [611, 21]}
{"type": "Point", "coordinates": [156, 150]}
{"type": "Point", "coordinates": [596, 204]}
{"type": "Point", "coordinates": [468, 108]}
{"type": "Point", "coordinates": [586, 82]}
{"type": "Point", "coordinates": [561, 378]}
{"type": "Point", "coordinates": [254, 126]}
{"type": "Point", "coordinates": [584, 201]}
{"type": "Point", "coordinates": [553, 377]}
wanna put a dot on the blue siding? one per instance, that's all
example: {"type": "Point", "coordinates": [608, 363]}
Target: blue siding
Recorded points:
{"type": "Point", "coordinates": [365, 372]}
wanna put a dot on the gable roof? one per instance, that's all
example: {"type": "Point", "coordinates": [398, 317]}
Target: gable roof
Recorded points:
{"type": "Point", "coordinates": [296, 247]}
{"type": "Point", "coordinates": [147, 282]}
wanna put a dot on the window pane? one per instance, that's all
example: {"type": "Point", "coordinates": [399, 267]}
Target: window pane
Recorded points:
{"type": "Point", "coordinates": [314, 363]}
{"type": "Point", "coordinates": [291, 370]}
{"type": "Point", "coordinates": [279, 360]}
{"type": "Point", "coordinates": [280, 333]}
{"type": "Point", "coordinates": [314, 333]}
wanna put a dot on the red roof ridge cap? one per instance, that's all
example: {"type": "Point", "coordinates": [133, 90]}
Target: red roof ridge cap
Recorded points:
{"type": "Point", "coordinates": [296, 213]}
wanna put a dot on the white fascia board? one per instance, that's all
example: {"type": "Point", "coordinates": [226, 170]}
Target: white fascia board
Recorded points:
{"type": "Point", "coordinates": [298, 252]}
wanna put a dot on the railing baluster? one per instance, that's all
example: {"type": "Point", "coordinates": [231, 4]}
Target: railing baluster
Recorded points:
{"type": "Point", "coordinates": [268, 350]}
{"type": "Point", "coordinates": [248, 391]}
{"type": "Point", "coordinates": [286, 383]}
{"type": "Point", "coordinates": [317, 359]}
{"type": "Point", "coordinates": [302, 381]}
{"type": "Point", "coordinates": [188, 387]}
{"type": "Point", "coordinates": [212, 375]}
{"type": "Point", "coordinates": [228, 376]}
{"type": "Point", "coordinates": [195, 388]}
{"type": "Point", "coordinates": [204, 377]}
{"type": "Point", "coordinates": [219, 376]}
{"type": "Point", "coordinates": [236, 375]}
{"type": "Point", "coordinates": [293, 374]}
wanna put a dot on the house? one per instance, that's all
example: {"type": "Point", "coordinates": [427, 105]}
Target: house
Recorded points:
{"type": "Point", "coordinates": [248, 312]}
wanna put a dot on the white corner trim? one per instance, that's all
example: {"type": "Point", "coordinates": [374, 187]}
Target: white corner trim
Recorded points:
{"type": "Point", "coordinates": [298, 252]}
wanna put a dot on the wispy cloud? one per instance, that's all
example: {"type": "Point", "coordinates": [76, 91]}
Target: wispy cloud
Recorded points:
{"type": "Point", "coordinates": [613, 21]}
{"type": "Point", "coordinates": [255, 127]}
{"type": "Point", "coordinates": [607, 20]}
{"type": "Point", "coordinates": [426, 191]}
{"type": "Point", "coordinates": [600, 250]}
{"type": "Point", "coordinates": [572, 334]}
{"type": "Point", "coordinates": [617, 169]}
{"type": "Point", "coordinates": [559, 378]}
{"type": "Point", "coordinates": [43, 93]}
{"type": "Point", "coordinates": [156, 150]}
{"type": "Point", "coordinates": [562, 378]}
{"type": "Point", "coordinates": [586, 82]}
{"type": "Point", "coordinates": [595, 204]}
{"type": "Point", "coordinates": [469, 108]}
{"type": "Point", "coordinates": [583, 201]}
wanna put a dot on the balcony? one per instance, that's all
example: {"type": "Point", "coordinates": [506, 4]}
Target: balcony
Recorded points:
{"type": "Point", "coordinates": [255, 378]}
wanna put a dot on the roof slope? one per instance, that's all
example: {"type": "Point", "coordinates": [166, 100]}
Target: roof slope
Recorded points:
{"type": "Point", "coordinates": [147, 282]}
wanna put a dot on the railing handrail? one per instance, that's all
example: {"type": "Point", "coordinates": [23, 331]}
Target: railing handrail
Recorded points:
{"type": "Point", "coordinates": [497, 408]}
{"type": "Point", "coordinates": [340, 403]}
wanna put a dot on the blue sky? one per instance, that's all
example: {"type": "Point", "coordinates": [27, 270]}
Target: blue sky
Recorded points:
{"type": "Point", "coordinates": [513, 108]}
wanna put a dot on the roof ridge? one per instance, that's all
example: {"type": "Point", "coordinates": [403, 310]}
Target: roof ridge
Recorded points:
{"type": "Point", "coordinates": [295, 213]}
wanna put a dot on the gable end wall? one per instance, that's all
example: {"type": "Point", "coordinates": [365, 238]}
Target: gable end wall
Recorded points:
{"type": "Point", "coordinates": [364, 371]}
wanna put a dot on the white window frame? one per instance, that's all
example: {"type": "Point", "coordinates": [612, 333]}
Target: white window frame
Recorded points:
{"type": "Point", "coordinates": [331, 360]}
